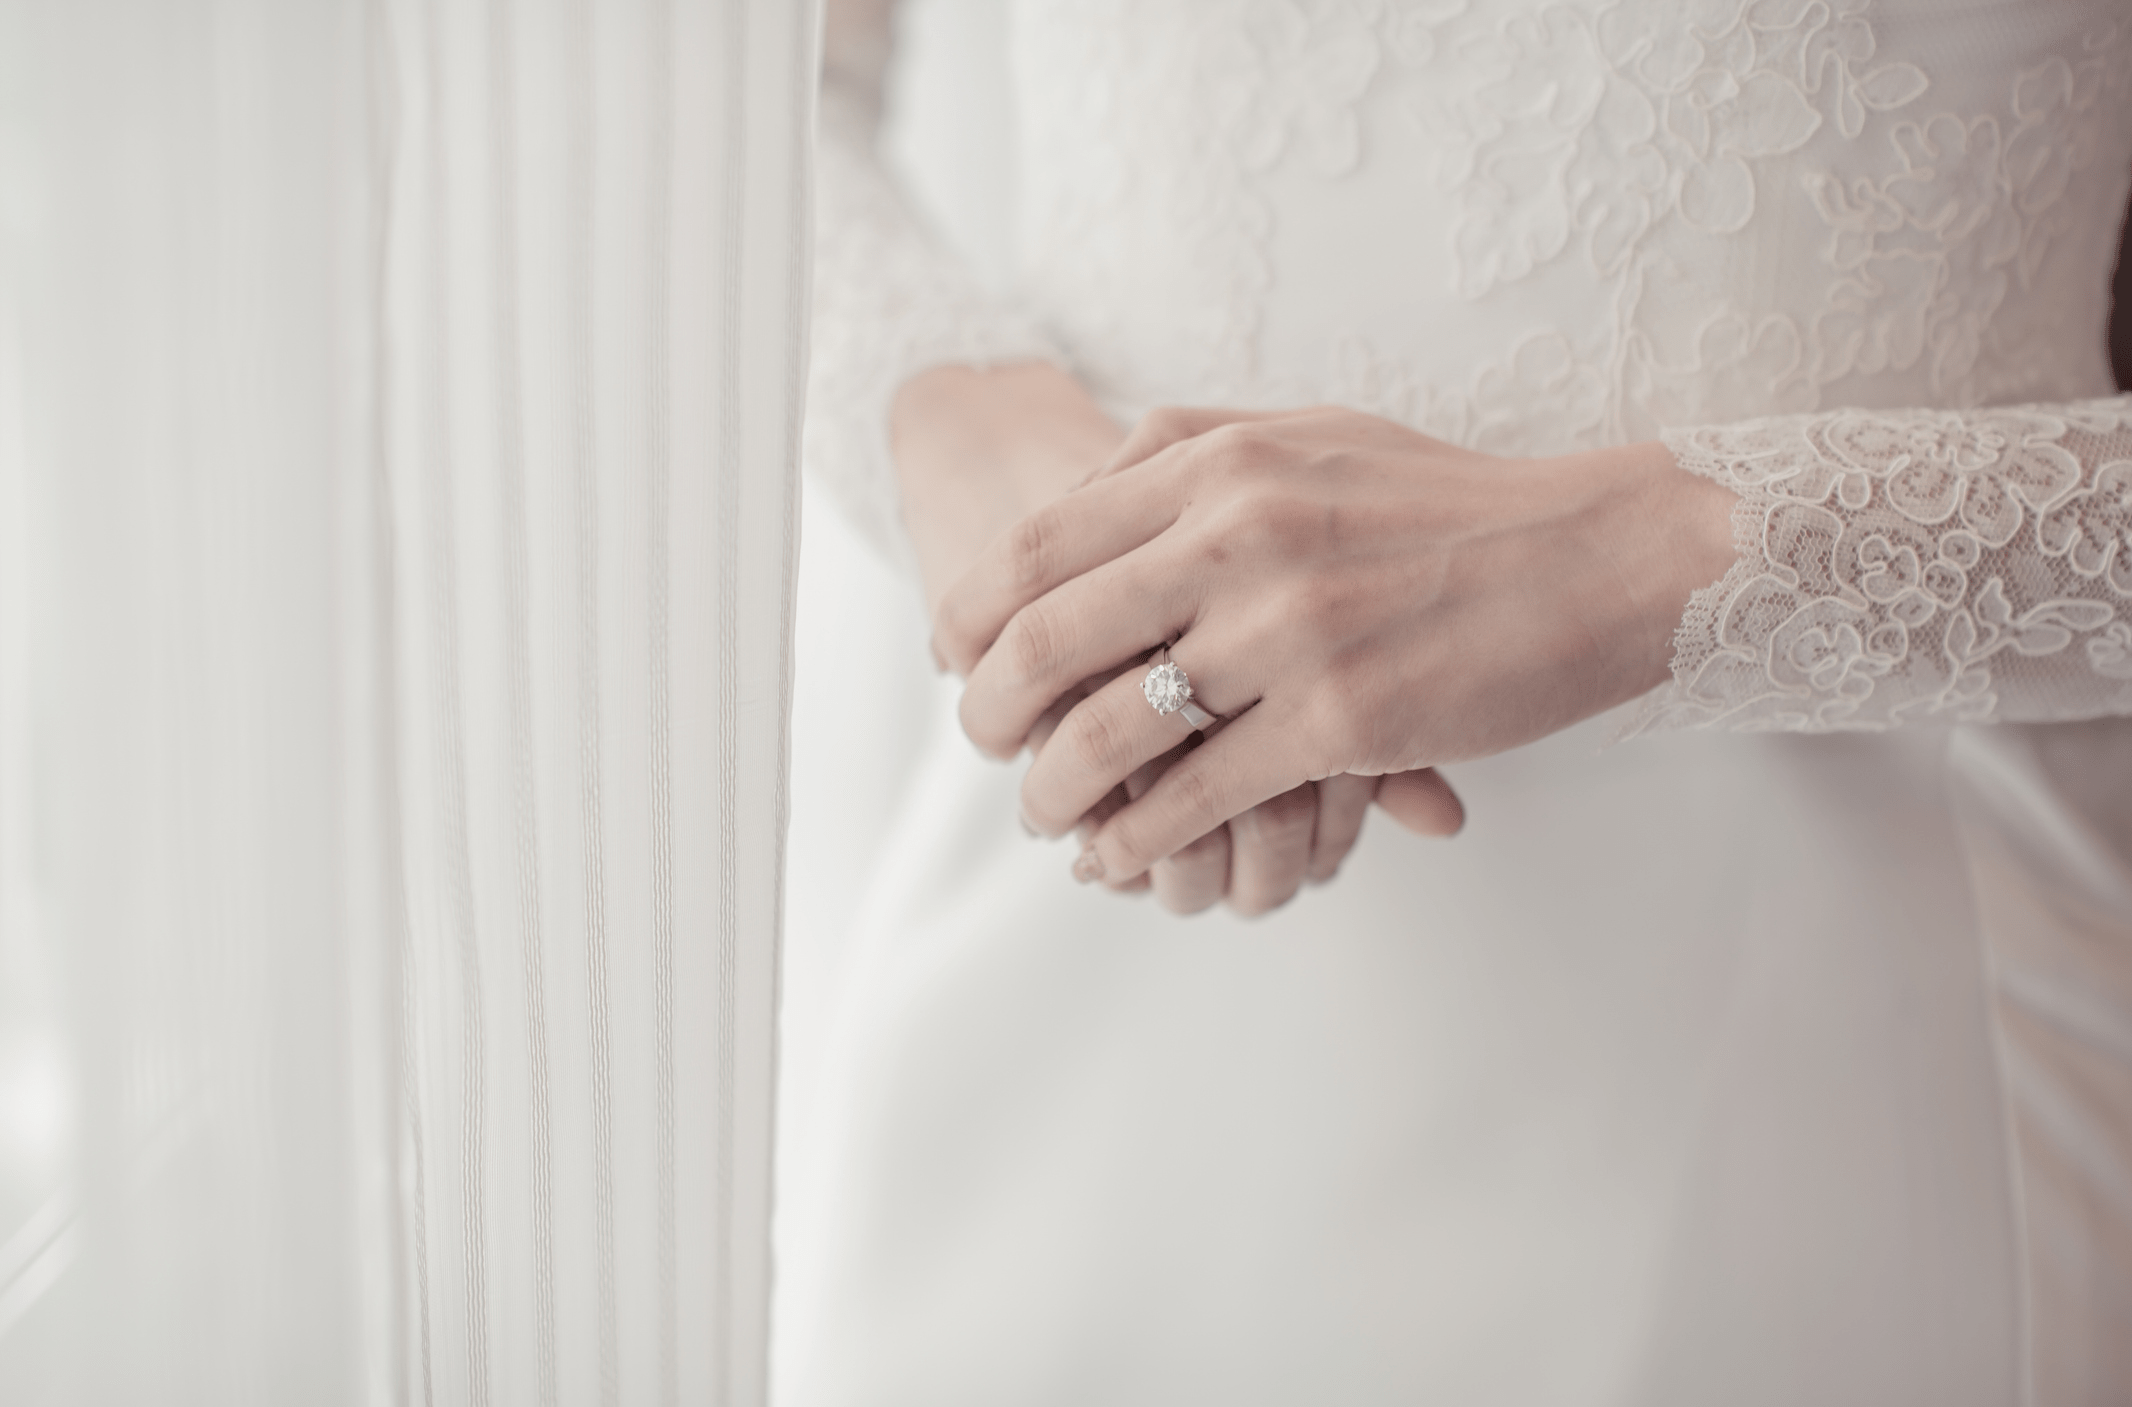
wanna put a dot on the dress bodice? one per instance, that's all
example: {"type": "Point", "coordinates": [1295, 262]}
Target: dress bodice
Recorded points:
{"type": "Point", "coordinates": [1532, 226]}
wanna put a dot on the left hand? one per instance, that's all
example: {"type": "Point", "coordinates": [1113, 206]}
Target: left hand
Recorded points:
{"type": "Point", "coordinates": [1258, 861]}
{"type": "Point", "coordinates": [1350, 595]}
{"type": "Point", "coordinates": [977, 450]}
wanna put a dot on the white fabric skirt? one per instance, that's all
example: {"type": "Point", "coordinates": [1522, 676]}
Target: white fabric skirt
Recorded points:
{"type": "Point", "coordinates": [1688, 1073]}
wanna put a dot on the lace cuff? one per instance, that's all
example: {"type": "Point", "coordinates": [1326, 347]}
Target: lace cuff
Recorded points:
{"type": "Point", "coordinates": [1958, 566]}
{"type": "Point", "coordinates": [889, 302]}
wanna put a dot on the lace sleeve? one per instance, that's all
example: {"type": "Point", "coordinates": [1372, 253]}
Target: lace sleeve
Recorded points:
{"type": "Point", "coordinates": [1965, 567]}
{"type": "Point", "coordinates": [889, 301]}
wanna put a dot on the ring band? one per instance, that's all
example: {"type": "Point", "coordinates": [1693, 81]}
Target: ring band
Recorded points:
{"type": "Point", "coordinates": [1169, 690]}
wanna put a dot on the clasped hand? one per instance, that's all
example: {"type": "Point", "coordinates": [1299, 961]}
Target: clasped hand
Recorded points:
{"type": "Point", "coordinates": [1349, 596]}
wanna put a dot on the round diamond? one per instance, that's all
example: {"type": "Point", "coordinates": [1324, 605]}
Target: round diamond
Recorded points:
{"type": "Point", "coordinates": [1166, 687]}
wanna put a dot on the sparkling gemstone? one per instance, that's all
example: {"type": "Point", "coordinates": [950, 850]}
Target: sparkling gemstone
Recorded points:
{"type": "Point", "coordinates": [1166, 687]}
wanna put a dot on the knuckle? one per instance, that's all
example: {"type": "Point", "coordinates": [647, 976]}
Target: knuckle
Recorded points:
{"type": "Point", "coordinates": [1235, 451]}
{"type": "Point", "coordinates": [1323, 605]}
{"type": "Point", "coordinates": [1165, 423]}
{"type": "Point", "coordinates": [1034, 643]}
{"type": "Point", "coordinates": [1192, 796]}
{"type": "Point", "coordinates": [1097, 744]}
{"type": "Point", "coordinates": [1242, 438]}
{"type": "Point", "coordinates": [1029, 549]}
{"type": "Point", "coordinates": [1266, 521]}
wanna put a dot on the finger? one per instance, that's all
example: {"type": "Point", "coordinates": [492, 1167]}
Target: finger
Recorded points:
{"type": "Point", "coordinates": [1055, 544]}
{"type": "Point", "coordinates": [1269, 850]}
{"type": "Point", "coordinates": [1246, 762]}
{"type": "Point", "coordinates": [1168, 425]}
{"type": "Point", "coordinates": [1100, 622]}
{"type": "Point", "coordinates": [1100, 742]}
{"type": "Point", "coordinates": [1106, 518]}
{"type": "Point", "coordinates": [1422, 801]}
{"type": "Point", "coordinates": [1134, 787]}
{"type": "Point", "coordinates": [1343, 802]}
{"type": "Point", "coordinates": [1103, 810]}
{"type": "Point", "coordinates": [1048, 721]}
{"type": "Point", "coordinates": [1196, 877]}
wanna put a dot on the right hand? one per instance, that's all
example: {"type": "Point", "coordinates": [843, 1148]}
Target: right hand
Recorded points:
{"type": "Point", "coordinates": [976, 452]}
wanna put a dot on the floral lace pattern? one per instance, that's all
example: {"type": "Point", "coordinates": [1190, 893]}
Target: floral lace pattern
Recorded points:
{"type": "Point", "coordinates": [1917, 565]}
{"type": "Point", "coordinates": [1619, 215]}
{"type": "Point", "coordinates": [1653, 148]}
{"type": "Point", "coordinates": [1659, 213]}
{"type": "Point", "coordinates": [889, 302]}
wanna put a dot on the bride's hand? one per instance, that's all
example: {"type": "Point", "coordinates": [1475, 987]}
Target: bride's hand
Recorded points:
{"type": "Point", "coordinates": [1259, 860]}
{"type": "Point", "coordinates": [1354, 597]}
{"type": "Point", "coordinates": [975, 451]}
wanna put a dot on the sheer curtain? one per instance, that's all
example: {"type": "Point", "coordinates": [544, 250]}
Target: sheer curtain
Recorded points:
{"type": "Point", "coordinates": [398, 413]}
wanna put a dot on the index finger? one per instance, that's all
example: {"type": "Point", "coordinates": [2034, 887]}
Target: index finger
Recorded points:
{"type": "Point", "coordinates": [1173, 424]}
{"type": "Point", "coordinates": [1051, 546]}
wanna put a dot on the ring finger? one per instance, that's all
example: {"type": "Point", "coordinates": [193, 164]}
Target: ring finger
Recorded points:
{"type": "Point", "coordinates": [1080, 628]}
{"type": "Point", "coordinates": [1102, 740]}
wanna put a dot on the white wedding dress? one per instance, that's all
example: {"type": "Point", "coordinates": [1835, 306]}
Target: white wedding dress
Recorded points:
{"type": "Point", "coordinates": [1779, 1054]}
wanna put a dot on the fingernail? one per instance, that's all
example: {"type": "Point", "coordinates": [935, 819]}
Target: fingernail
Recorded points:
{"type": "Point", "coordinates": [1089, 868]}
{"type": "Point", "coordinates": [940, 662]}
{"type": "Point", "coordinates": [1031, 831]}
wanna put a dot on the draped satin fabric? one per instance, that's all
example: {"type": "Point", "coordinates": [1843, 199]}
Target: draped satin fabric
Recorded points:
{"type": "Point", "coordinates": [398, 420]}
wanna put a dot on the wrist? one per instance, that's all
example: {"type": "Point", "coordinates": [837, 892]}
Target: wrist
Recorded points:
{"type": "Point", "coordinates": [977, 451]}
{"type": "Point", "coordinates": [1667, 534]}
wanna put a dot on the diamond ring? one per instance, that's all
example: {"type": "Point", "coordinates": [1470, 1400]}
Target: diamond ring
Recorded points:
{"type": "Point", "coordinates": [1170, 691]}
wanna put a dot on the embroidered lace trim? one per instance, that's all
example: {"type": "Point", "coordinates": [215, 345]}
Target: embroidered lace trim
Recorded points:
{"type": "Point", "coordinates": [1959, 566]}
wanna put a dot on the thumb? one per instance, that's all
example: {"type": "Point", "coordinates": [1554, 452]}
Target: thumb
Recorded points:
{"type": "Point", "coordinates": [1422, 801]}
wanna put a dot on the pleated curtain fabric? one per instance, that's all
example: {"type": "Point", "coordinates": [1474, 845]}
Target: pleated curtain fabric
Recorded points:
{"type": "Point", "coordinates": [399, 404]}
